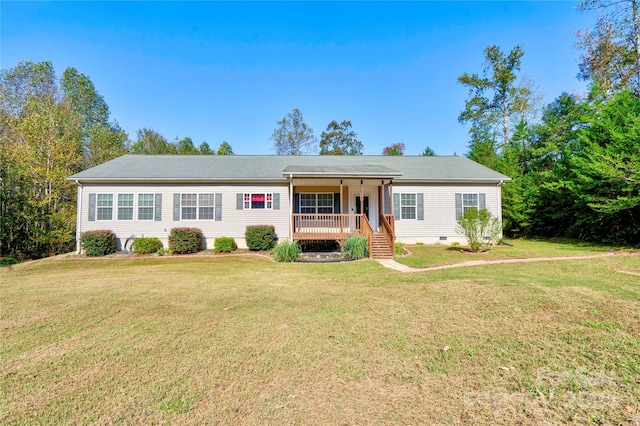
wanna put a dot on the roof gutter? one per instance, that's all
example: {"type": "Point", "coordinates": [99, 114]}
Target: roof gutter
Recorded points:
{"type": "Point", "coordinates": [174, 180]}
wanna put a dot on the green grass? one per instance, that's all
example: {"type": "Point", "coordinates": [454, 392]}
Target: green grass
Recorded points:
{"type": "Point", "coordinates": [242, 340]}
{"type": "Point", "coordinates": [424, 256]}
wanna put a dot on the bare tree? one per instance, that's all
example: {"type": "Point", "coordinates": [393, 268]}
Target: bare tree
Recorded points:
{"type": "Point", "coordinates": [293, 136]}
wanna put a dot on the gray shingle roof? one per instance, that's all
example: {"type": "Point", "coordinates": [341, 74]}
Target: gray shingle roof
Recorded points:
{"type": "Point", "coordinates": [247, 168]}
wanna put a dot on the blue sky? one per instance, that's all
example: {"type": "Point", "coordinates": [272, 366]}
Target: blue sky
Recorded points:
{"type": "Point", "coordinates": [229, 71]}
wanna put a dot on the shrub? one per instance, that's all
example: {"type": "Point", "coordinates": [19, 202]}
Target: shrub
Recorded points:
{"type": "Point", "coordinates": [98, 243]}
{"type": "Point", "coordinates": [185, 240]}
{"type": "Point", "coordinates": [399, 249]}
{"type": "Point", "coordinates": [286, 251]}
{"type": "Point", "coordinates": [163, 251]}
{"type": "Point", "coordinates": [480, 228]}
{"type": "Point", "coordinates": [260, 237]}
{"type": "Point", "coordinates": [6, 261]}
{"type": "Point", "coordinates": [356, 247]}
{"type": "Point", "coordinates": [147, 245]}
{"type": "Point", "coordinates": [224, 245]}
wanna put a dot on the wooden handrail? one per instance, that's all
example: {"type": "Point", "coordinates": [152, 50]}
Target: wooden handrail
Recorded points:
{"type": "Point", "coordinates": [323, 223]}
{"type": "Point", "coordinates": [367, 231]}
{"type": "Point", "coordinates": [388, 229]}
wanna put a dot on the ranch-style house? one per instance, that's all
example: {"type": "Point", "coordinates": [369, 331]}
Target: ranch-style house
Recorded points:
{"type": "Point", "coordinates": [388, 199]}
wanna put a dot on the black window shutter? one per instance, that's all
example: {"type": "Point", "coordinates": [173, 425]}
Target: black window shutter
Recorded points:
{"type": "Point", "coordinates": [420, 206]}
{"type": "Point", "coordinates": [276, 201]}
{"type": "Point", "coordinates": [92, 207]}
{"type": "Point", "coordinates": [458, 206]}
{"type": "Point", "coordinates": [158, 207]}
{"type": "Point", "coordinates": [296, 203]}
{"type": "Point", "coordinates": [239, 201]}
{"type": "Point", "coordinates": [336, 203]}
{"type": "Point", "coordinates": [176, 207]}
{"type": "Point", "coordinates": [396, 206]}
{"type": "Point", "coordinates": [218, 207]}
{"type": "Point", "coordinates": [482, 201]}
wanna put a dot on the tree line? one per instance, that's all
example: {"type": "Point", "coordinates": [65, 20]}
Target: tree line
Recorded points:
{"type": "Point", "coordinates": [51, 128]}
{"type": "Point", "coordinates": [293, 136]}
{"type": "Point", "coordinates": [574, 163]}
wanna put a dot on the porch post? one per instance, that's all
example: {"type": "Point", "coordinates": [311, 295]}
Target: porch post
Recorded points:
{"type": "Point", "coordinates": [391, 197]}
{"type": "Point", "coordinates": [361, 197]}
{"type": "Point", "coordinates": [341, 203]}
{"type": "Point", "coordinates": [381, 199]}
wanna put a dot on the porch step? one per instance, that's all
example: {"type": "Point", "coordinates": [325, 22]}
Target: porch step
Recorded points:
{"type": "Point", "coordinates": [380, 247]}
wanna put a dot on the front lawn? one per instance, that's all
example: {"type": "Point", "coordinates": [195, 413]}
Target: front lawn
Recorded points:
{"type": "Point", "coordinates": [425, 256]}
{"type": "Point", "coordinates": [242, 340]}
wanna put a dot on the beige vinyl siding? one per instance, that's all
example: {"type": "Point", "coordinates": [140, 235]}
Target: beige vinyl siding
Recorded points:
{"type": "Point", "coordinates": [233, 223]}
{"type": "Point", "coordinates": [440, 212]}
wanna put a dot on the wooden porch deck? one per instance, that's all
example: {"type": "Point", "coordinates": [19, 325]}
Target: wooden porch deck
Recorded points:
{"type": "Point", "coordinates": [339, 227]}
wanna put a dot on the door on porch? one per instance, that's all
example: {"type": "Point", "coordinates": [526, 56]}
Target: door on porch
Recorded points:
{"type": "Point", "coordinates": [370, 209]}
{"type": "Point", "coordinates": [365, 205]}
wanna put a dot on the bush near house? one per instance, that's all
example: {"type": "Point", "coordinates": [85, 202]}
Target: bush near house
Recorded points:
{"type": "Point", "coordinates": [399, 249]}
{"type": "Point", "coordinates": [480, 228]}
{"type": "Point", "coordinates": [286, 251]}
{"type": "Point", "coordinates": [260, 237]}
{"type": "Point", "coordinates": [356, 247]}
{"type": "Point", "coordinates": [98, 243]}
{"type": "Point", "coordinates": [147, 245]}
{"type": "Point", "coordinates": [224, 245]}
{"type": "Point", "coordinates": [185, 240]}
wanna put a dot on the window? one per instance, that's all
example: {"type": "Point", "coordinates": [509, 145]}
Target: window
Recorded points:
{"type": "Point", "coordinates": [145, 206]}
{"type": "Point", "coordinates": [307, 203]}
{"type": "Point", "coordinates": [258, 201]}
{"type": "Point", "coordinates": [197, 206]}
{"type": "Point", "coordinates": [205, 206]}
{"type": "Point", "coordinates": [325, 203]}
{"type": "Point", "coordinates": [316, 203]}
{"type": "Point", "coordinates": [407, 206]}
{"type": "Point", "coordinates": [189, 206]}
{"type": "Point", "coordinates": [104, 207]}
{"type": "Point", "coordinates": [469, 201]}
{"type": "Point", "coordinates": [125, 206]}
{"type": "Point", "coordinates": [465, 202]}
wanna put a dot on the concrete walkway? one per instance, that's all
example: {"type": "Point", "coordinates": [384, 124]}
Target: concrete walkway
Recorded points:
{"type": "Point", "coordinates": [392, 264]}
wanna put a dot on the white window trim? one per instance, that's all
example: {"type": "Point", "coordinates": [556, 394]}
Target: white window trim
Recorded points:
{"type": "Point", "coordinates": [118, 207]}
{"type": "Point", "coordinates": [316, 206]}
{"type": "Point", "coordinates": [197, 206]}
{"type": "Point", "coordinates": [477, 206]}
{"type": "Point", "coordinates": [415, 206]}
{"type": "Point", "coordinates": [268, 200]}
{"type": "Point", "coordinates": [113, 213]}
{"type": "Point", "coordinates": [152, 206]}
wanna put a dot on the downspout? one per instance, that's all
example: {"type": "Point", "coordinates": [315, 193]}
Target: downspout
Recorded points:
{"type": "Point", "coordinates": [291, 199]}
{"type": "Point", "coordinates": [78, 217]}
{"type": "Point", "coordinates": [499, 206]}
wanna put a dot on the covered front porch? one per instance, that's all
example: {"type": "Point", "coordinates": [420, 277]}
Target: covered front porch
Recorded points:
{"type": "Point", "coordinates": [336, 204]}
